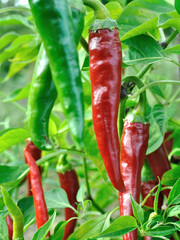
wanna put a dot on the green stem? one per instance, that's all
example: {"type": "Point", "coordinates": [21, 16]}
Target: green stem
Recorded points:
{"type": "Point", "coordinates": [144, 71]}
{"type": "Point", "coordinates": [174, 96]}
{"type": "Point", "coordinates": [153, 84]}
{"type": "Point", "coordinates": [176, 236]}
{"type": "Point", "coordinates": [122, 110]}
{"type": "Point", "coordinates": [174, 121]}
{"type": "Point", "coordinates": [86, 177]}
{"type": "Point", "coordinates": [84, 44]}
{"type": "Point", "coordinates": [141, 109]}
{"type": "Point", "coordinates": [150, 193]}
{"type": "Point", "coordinates": [100, 11]}
{"type": "Point", "coordinates": [171, 37]}
{"type": "Point", "coordinates": [88, 188]}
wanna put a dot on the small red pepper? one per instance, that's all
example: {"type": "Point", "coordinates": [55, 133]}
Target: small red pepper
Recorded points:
{"type": "Point", "coordinates": [134, 142]}
{"type": "Point", "coordinates": [37, 191]}
{"type": "Point", "coordinates": [36, 154]}
{"type": "Point", "coordinates": [105, 63]}
{"type": "Point", "coordinates": [69, 182]}
{"type": "Point", "coordinates": [9, 222]}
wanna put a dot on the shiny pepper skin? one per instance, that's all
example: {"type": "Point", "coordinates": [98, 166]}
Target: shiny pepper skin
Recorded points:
{"type": "Point", "coordinates": [37, 191]}
{"type": "Point", "coordinates": [69, 182]}
{"type": "Point", "coordinates": [105, 58]}
{"type": "Point", "coordinates": [9, 222]}
{"type": "Point", "coordinates": [36, 154]}
{"type": "Point", "coordinates": [134, 142]}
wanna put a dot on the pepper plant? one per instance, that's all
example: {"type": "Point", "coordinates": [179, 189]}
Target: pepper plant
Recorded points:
{"type": "Point", "coordinates": [90, 92]}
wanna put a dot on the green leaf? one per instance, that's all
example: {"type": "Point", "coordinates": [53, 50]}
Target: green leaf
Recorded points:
{"type": "Point", "coordinates": [141, 16]}
{"type": "Point", "coordinates": [3, 213]}
{"type": "Point", "coordinates": [115, 9]}
{"type": "Point", "coordinates": [139, 54]}
{"type": "Point", "coordinates": [14, 19]}
{"type": "Point", "coordinates": [43, 231]}
{"type": "Point", "coordinates": [7, 39]}
{"type": "Point", "coordinates": [3, 230]}
{"type": "Point", "coordinates": [174, 195]}
{"type": "Point", "coordinates": [89, 228]}
{"type": "Point", "coordinates": [81, 193]}
{"type": "Point", "coordinates": [10, 176]}
{"type": "Point", "coordinates": [172, 50]}
{"type": "Point", "coordinates": [177, 6]}
{"type": "Point", "coordinates": [59, 230]}
{"type": "Point", "coordinates": [161, 231]}
{"type": "Point", "coordinates": [57, 198]}
{"type": "Point", "coordinates": [18, 94]}
{"type": "Point", "coordinates": [137, 210]}
{"type": "Point", "coordinates": [27, 207]}
{"type": "Point", "coordinates": [173, 211]}
{"type": "Point", "coordinates": [92, 150]}
{"type": "Point", "coordinates": [158, 118]}
{"type": "Point", "coordinates": [18, 45]}
{"type": "Point", "coordinates": [119, 227]}
{"type": "Point", "coordinates": [170, 177]}
{"type": "Point", "coordinates": [13, 137]}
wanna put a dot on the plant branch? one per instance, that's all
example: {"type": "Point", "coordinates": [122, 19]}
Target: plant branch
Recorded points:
{"type": "Point", "coordinates": [100, 11]}
{"type": "Point", "coordinates": [153, 84]}
{"type": "Point", "coordinates": [149, 194]}
{"type": "Point", "coordinates": [88, 188]}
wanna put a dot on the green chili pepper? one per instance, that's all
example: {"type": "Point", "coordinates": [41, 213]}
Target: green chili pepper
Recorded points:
{"type": "Point", "coordinates": [18, 219]}
{"type": "Point", "coordinates": [43, 92]}
{"type": "Point", "coordinates": [57, 34]}
{"type": "Point", "coordinates": [40, 102]}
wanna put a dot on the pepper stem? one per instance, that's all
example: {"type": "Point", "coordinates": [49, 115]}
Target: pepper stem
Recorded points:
{"type": "Point", "coordinates": [141, 108]}
{"type": "Point", "coordinates": [63, 165]}
{"type": "Point", "coordinates": [100, 11]}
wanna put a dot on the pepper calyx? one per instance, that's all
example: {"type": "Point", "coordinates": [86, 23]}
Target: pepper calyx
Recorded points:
{"type": "Point", "coordinates": [103, 23]}
{"type": "Point", "coordinates": [63, 165]}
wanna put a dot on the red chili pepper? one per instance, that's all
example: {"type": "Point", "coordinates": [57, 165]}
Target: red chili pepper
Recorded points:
{"type": "Point", "coordinates": [37, 191]}
{"type": "Point", "coordinates": [159, 164]}
{"type": "Point", "coordinates": [168, 143]}
{"type": "Point", "coordinates": [134, 142]}
{"type": "Point", "coordinates": [105, 59]}
{"type": "Point", "coordinates": [9, 222]}
{"type": "Point", "coordinates": [36, 154]}
{"type": "Point", "coordinates": [69, 182]}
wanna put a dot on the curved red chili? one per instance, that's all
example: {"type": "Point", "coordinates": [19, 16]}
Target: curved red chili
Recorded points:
{"type": "Point", "coordinates": [9, 222]}
{"type": "Point", "coordinates": [69, 182]}
{"type": "Point", "coordinates": [134, 142]}
{"type": "Point", "coordinates": [36, 154]}
{"type": "Point", "coordinates": [105, 58]}
{"type": "Point", "coordinates": [37, 191]}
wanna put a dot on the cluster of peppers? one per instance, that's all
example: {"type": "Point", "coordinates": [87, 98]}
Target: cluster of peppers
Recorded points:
{"type": "Point", "coordinates": [57, 75]}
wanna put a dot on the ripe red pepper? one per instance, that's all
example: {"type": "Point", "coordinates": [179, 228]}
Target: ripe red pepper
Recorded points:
{"type": "Point", "coordinates": [9, 222]}
{"type": "Point", "coordinates": [69, 182]}
{"type": "Point", "coordinates": [105, 63]}
{"type": "Point", "coordinates": [134, 142]}
{"type": "Point", "coordinates": [37, 191]}
{"type": "Point", "coordinates": [159, 163]}
{"type": "Point", "coordinates": [36, 154]}
{"type": "Point", "coordinates": [168, 143]}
